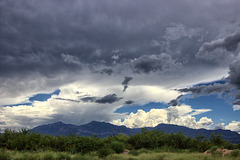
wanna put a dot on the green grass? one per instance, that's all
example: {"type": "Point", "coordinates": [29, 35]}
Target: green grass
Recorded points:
{"type": "Point", "coordinates": [142, 154]}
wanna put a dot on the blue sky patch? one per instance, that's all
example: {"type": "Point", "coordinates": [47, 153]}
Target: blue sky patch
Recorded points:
{"type": "Point", "coordinates": [43, 96]}
{"type": "Point", "coordinates": [38, 97]}
{"type": "Point", "coordinates": [147, 107]}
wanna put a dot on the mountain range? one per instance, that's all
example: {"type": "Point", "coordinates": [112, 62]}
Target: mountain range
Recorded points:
{"type": "Point", "coordinates": [103, 129]}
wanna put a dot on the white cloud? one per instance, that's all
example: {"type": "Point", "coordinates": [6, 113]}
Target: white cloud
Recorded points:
{"type": "Point", "coordinates": [179, 115]}
{"type": "Point", "coordinates": [68, 107]}
{"type": "Point", "coordinates": [219, 126]}
{"type": "Point", "coordinates": [236, 107]}
{"type": "Point", "coordinates": [234, 126]}
{"type": "Point", "coordinates": [200, 111]}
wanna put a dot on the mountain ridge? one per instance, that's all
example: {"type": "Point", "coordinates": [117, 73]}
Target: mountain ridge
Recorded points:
{"type": "Point", "coordinates": [104, 129]}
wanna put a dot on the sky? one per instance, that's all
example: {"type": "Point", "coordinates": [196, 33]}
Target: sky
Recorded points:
{"type": "Point", "coordinates": [136, 63]}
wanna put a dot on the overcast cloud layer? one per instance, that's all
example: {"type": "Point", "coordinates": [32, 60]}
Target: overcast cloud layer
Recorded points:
{"type": "Point", "coordinates": [103, 54]}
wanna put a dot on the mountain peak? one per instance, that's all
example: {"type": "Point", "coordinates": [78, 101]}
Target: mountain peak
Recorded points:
{"type": "Point", "coordinates": [104, 129]}
{"type": "Point", "coordinates": [59, 122]}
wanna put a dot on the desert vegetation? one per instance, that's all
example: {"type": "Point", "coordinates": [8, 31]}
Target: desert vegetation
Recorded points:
{"type": "Point", "coordinates": [147, 145]}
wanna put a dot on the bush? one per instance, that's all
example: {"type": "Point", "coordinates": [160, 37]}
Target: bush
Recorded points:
{"type": "Point", "coordinates": [235, 153]}
{"type": "Point", "coordinates": [80, 157]}
{"type": "Point", "coordinates": [131, 158]}
{"type": "Point", "coordinates": [134, 152]}
{"type": "Point", "coordinates": [161, 157]}
{"type": "Point", "coordinates": [213, 149]}
{"type": "Point", "coordinates": [105, 151]}
{"type": "Point", "coordinates": [143, 150]}
{"type": "Point", "coordinates": [117, 146]}
{"type": "Point", "coordinates": [4, 155]}
{"type": "Point", "coordinates": [62, 156]}
{"type": "Point", "coordinates": [48, 156]}
{"type": "Point", "coordinates": [30, 156]}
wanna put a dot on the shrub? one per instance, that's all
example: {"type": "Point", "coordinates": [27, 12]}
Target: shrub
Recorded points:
{"type": "Point", "coordinates": [105, 151]}
{"type": "Point", "coordinates": [29, 156]}
{"type": "Point", "coordinates": [215, 152]}
{"type": "Point", "coordinates": [134, 152]}
{"type": "Point", "coordinates": [62, 156]}
{"type": "Point", "coordinates": [143, 150]}
{"type": "Point", "coordinates": [213, 149]}
{"type": "Point", "coordinates": [48, 156]}
{"type": "Point", "coordinates": [161, 157]}
{"type": "Point", "coordinates": [132, 158]}
{"type": "Point", "coordinates": [4, 155]}
{"type": "Point", "coordinates": [80, 157]}
{"type": "Point", "coordinates": [117, 146]}
{"type": "Point", "coordinates": [235, 153]}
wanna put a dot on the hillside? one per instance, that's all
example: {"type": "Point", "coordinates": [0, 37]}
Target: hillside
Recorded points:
{"type": "Point", "coordinates": [103, 129]}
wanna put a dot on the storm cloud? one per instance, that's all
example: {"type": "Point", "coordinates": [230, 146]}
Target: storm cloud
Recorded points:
{"type": "Point", "coordinates": [128, 102]}
{"type": "Point", "coordinates": [111, 98]}
{"type": "Point", "coordinates": [125, 83]}
{"type": "Point", "coordinates": [175, 102]}
{"type": "Point", "coordinates": [89, 46]}
{"type": "Point", "coordinates": [220, 51]}
{"type": "Point", "coordinates": [229, 43]}
{"type": "Point", "coordinates": [153, 63]}
{"type": "Point", "coordinates": [234, 72]}
{"type": "Point", "coordinates": [207, 89]}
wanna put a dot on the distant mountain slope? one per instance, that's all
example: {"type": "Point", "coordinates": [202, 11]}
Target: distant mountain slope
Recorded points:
{"type": "Point", "coordinates": [103, 129]}
{"type": "Point", "coordinates": [231, 136]}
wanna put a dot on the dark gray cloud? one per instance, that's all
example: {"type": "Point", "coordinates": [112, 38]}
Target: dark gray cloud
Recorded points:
{"type": "Point", "coordinates": [47, 44]}
{"type": "Point", "coordinates": [237, 102]}
{"type": "Point", "coordinates": [125, 83]}
{"type": "Point", "coordinates": [107, 71]}
{"type": "Point", "coordinates": [232, 85]}
{"type": "Point", "coordinates": [234, 73]}
{"type": "Point", "coordinates": [207, 89]}
{"type": "Point", "coordinates": [129, 102]}
{"type": "Point", "coordinates": [66, 99]}
{"type": "Point", "coordinates": [221, 51]}
{"type": "Point", "coordinates": [111, 98]}
{"type": "Point", "coordinates": [89, 99]}
{"type": "Point", "coordinates": [230, 43]}
{"type": "Point", "coordinates": [175, 102]}
{"type": "Point", "coordinates": [34, 34]}
{"type": "Point", "coordinates": [153, 63]}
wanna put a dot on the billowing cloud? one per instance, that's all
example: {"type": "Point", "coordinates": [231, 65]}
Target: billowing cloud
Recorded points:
{"type": "Point", "coordinates": [234, 126]}
{"type": "Point", "coordinates": [234, 72]}
{"type": "Point", "coordinates": [175, 102]}
{"type": "Point", "coordinates": [229, 43]}
{"type": "Point", "coordinates": [219, 126]}
{"type": "Point", "coordinates": [207, 89]}
{"type": "Point", "coordinates": [85, 48]}
{"type": "Point", "coordinates": [180, 115]}
{"type": "Point", "coordinates": [153, 63]}
{"type": "Point", "coordinates": [220, 51]}
{"type": "Point", "coordinates": [125, 83]}
{"type": "Point", "coordinates": [79, 103]}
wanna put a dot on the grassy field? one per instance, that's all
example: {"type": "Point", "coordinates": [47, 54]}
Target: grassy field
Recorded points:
{"type": "Point", "coordinates": [137, 155]}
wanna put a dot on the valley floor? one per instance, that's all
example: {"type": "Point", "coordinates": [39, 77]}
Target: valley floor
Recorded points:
{"type": "Point", "coordinates": [27, 155]}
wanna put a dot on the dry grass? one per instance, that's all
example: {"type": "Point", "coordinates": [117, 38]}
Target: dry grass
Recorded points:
{"type": "Point", "coordinates": [14, 155]}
